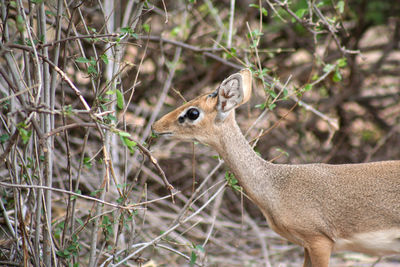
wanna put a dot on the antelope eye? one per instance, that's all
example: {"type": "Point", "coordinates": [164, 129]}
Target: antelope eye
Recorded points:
{"type": "Point", "coordinates": [192, 114]}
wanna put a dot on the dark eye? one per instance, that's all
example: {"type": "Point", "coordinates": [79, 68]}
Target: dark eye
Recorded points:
{"type": "Point", "coordinates": [192, 114]}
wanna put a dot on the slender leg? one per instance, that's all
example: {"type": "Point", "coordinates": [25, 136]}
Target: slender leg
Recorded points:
{"type": "Point", "coordinates": [307, 260]}
{"type": "Point", "coordinates": [319, 252]}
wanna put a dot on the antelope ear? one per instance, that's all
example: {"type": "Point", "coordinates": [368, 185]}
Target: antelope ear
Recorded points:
{"type": "Point", "coordinates": [233, 92]}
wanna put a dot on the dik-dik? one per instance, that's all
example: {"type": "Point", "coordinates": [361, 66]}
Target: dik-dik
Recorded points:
{"type": "Point", "coordinates": [321, 207]}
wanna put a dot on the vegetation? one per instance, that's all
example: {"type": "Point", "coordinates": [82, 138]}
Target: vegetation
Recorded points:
{"type": "Point", "coordinates": [84, 183]}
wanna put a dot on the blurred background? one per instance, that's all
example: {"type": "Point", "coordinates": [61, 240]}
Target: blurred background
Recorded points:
{"type": "Point", "coordinates": [84, 183]}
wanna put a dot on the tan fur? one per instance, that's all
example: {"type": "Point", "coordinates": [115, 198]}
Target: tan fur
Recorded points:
{"type": "Point", "coordinates": [321, 207]}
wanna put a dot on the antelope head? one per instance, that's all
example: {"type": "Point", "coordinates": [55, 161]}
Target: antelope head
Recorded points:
{"type": "Point", "coordinates": [202, 118]}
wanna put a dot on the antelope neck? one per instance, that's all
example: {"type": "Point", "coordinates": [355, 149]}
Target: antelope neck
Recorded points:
{"type": "Point", "coordinates": [252, 171]}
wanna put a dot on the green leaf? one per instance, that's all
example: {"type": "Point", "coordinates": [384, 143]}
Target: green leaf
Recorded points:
{"type": "Point", "coordinates": [82, 60]}
{"type": "Point", "coordinates": [260, 106]}
{"type": "Point", "coordinates": [271, 106]}
{"type": "Point", "coordinates": [25, 135]}
{"type": "Point", "coordinates": [87, 162]}
{"type": "Point", "coordinates": [342, 62]}
{"type": "Point", "coordinates": [193, 258]}
{"type": "Point", "coordinates": [122, 186]}
{"type": "Point", "coordinates": [308, 87]}
{"type": "Point", "coordinates": [285, 93]}
{"type": "Point", "coordinates": [20, 23]}
{"type": "Point", "coordinates": [110, 118]}
{"type": "Point", "coordinates": [300, 13]}
{"type": "Point", "coordinates": [80, 221]}
{"type": "Point", "coordinates": [340, 6]}
{"type": "Point", "coordinates": [199, 248]}
{"type": "Point", "coordinates": [146, 27]}
{"type": "Point", "coordinates": [120, 99]}
{"type": "Point", "coordinates": [50, 13]}
{"type": "Point", "coordinates": [337, 77]}
{"type": "Point", "coordinates": [4, 138]}
{"type": "Point", "coordinates": [95, 192]}
{"type": "Point", "coordinates": [104, 58]}
{"type": "Point", "coordinates": [126, 30]}
{"type": "Point", "coordinates": [175, 31]}
{"type": "Point", "coordinates": [92, 70]}
{"type": "Point", "coordinates": [130, 144]}
{"type": "Point", "coordinates": [121, 133]}
{"type": "Point", "coordinates": [78, 192]}
{"type": "Point", "coordinates": [328, 67]}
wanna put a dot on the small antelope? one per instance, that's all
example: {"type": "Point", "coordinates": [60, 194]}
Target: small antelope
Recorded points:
{"type": "Point", "coordinates": [321, 207]}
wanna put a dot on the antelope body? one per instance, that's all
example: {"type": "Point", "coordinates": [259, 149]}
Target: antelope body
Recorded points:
{"type": "Point", "coordinates": [321, 207]}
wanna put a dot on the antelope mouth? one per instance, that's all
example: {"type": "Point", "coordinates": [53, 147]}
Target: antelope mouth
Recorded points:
{"type": "Point", "coordinates": [164, 134]}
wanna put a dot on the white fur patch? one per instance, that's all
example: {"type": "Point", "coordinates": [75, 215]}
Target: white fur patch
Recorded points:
{"type": "Point", "coordinates": [379, 243]}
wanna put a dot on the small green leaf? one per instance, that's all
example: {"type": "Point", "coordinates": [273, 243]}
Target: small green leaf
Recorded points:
{"type": "Point", "coordinates": [125, 134]}
{"type": "Point", "coordinates": [200, 248]}
{"type": "Point", "coordinates": [20, 24]}
{"type": "Point", "coordinates": [264, 11]}
{"type": "Point", "coordinates": [175, 31]}
{"type": "Point", "coordinates": [110, 92]}
{"type": "Point", "coordinates": [50, 13]}
{"type": "Point", "coordinates": [4, 138]}
{"type": "Point", "coordinates": [87, 162]}
{"type": "Point", "coordinates": [126, 30]}
{"type": "Point", "coordinates": [122, 186]}
{"type": "Point", "coordinates": [254, 5]}
{"type": "Point", "coordinates": [25, 135]}
{"type": "Point", "coordinates": [92, 70]}
{"type": "Point", "coordinates": [120, 99]}
{"type": "Point", "coordinates": [146, 27]}
{"type": "Point", "coordinates": [285, 93]}
{"type": "Point", "coordinates": [95, 192]}
{"type": "Point", "coordinates": [78, 192]}
{"type": "Point", "coordinates": [193, 258]}
{"type": "Point", "coordinates": [342, 62]}
{"type": "Point", "coordinates": [260, 106]}
{"type": "Point", "coordinates": [110, 118]}
{"type": "Point", "coordinates": [82, 60]}
{"type": "Point", "coordinates": [308, 87]}
{"type": "Point", "coordinates": [340, 6]}
{"type": "Point", "coordinates": [300, 13]}
{"type": "Point", "coordinates": [271, 106]}
{"type": "Point", "coordinates": [130, 144]}
{"type": "Point", "coordinates": [104, 58]}
{"type": "Point", "coordinates": [328, 67]}
{"type": "Point", "coordinates": [337, 77]}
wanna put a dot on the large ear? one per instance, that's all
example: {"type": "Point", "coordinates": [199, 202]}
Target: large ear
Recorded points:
{"type": "Point", "coordinates": [233, 92]}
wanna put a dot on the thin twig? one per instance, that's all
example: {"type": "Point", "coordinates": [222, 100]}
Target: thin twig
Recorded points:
{"type": "Point", "coordinates": [171, 228]}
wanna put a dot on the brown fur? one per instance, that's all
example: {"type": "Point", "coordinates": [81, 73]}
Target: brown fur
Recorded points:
{"type": "Point", "coordinates": [317, 206]}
